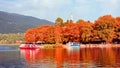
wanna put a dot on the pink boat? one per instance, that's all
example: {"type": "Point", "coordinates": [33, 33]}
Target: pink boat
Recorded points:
{"type": "Point", "coordinates": [28, 46]}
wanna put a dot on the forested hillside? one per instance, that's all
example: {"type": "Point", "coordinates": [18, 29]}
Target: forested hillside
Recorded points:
{"type": "Point", "coordinates": [16, 23]}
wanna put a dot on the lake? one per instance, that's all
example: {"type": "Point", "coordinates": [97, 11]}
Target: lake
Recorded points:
{"type": "Point", "coordinates": [59, 57]}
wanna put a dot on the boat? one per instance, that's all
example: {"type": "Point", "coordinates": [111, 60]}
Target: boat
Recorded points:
{"type": "Point", "coordinates": [28, 46]}
{"type": "Point", "coordinates": [73, 44]}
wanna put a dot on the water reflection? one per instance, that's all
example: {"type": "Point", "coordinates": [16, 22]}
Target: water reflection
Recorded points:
{"type": "Point", "coordinates": [72, 57]}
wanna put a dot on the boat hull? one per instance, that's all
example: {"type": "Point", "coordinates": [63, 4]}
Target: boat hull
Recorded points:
{"type": "Point", "coordinates": [28, 46]}
{"type": "Point", "coordinates": [73, 44]}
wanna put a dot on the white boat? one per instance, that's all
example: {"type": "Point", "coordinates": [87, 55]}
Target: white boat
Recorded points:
{"type": "Point", "coordinates": [73, 44]}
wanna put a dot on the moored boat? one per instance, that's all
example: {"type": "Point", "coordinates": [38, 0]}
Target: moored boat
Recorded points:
{"type": "Point", "coordinates": [73, 44]}
{"type": "Point", "coordinates": [28, 46]}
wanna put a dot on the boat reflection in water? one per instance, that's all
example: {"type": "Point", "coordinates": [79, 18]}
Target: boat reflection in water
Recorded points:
{"type": "Point", "coordinates": [86, 57]}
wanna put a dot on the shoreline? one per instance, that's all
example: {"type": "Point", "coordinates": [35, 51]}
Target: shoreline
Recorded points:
{"type": "Point", "coordinates": [64, 44]}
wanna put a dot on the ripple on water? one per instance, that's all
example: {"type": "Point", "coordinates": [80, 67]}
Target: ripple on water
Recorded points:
{"type": "Point", "coordinates": [8, 48]}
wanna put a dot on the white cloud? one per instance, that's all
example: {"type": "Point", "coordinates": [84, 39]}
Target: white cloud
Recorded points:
{"type": "Point", "coordinates": [92, 9]}
{"type": "Point", "coordinates": [110, 6]}
{"type": "Point", "coordinates": [50, 9]}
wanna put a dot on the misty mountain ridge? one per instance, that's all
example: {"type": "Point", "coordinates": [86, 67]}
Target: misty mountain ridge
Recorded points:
{"type": "Point", "coordinates": [16, 23]}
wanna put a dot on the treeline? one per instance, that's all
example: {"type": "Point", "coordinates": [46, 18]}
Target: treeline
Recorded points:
{"type": "Point", "coordinates": [106, 29]}
{"type": "Point", "coordinates": [11, 38]}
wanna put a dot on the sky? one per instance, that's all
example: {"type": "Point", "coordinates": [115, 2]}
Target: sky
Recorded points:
{"type": "Point", "coordinates": [51, 9]}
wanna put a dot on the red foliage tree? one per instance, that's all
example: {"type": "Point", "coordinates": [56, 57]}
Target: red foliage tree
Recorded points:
{"type": "Point", "coordinates": [105, 28]}
{"type": "Point", "coordinates": [30, 35]}
{"type": "Point", "coordinates": [85, 29]}
{"type": "Point", "coordinates": [71, 32]}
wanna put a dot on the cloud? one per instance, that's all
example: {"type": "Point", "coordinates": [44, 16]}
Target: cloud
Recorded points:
{"type": "Point", "coordinates": [51, 9]}
{"type": "Point", "coordinates": [111, 6]}
{"type": "Point", "coordinates": [92, 9]}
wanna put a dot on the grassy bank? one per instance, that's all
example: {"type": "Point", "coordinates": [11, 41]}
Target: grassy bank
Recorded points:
{"type": "Point", "coordinates": [11, 38]}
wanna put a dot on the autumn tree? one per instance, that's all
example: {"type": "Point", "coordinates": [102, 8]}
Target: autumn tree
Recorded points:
{"type": "Point", "coordinates": [41, 31]}
{"type": "Point", "coordinates": [105, 26]}
{"type": "Point", "coordinates": [50, 35]}
{"type": "Point", "coordinates": [80, 20]}
{"type": "Point", "coordinates": [36, 34]}
{"type": "Point", "coordinates": [117, 21]}
{"type": "Point", "coordinates": [59, 21]}
{"type": "Point", "coordinates": [117, 30]}
{"type": "Point", "coordinates": [58, 34]}
{"type": "Point", "coordinates": [30, 35]}
{"type": "Point", "coordinates": [71, 32]}
{"type": "Point", "coordinates": [85, 29]}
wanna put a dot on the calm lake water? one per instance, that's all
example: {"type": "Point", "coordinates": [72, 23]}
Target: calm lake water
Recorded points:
{"type": "Point", "coordinates": [72, 57]}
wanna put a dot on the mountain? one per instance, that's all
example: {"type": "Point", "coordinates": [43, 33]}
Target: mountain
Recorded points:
{"type": "Point", "coordinates": [16, 23]}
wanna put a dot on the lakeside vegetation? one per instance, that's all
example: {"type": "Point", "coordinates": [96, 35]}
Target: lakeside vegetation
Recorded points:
{"type": "Point", "coordinates": [106, 29]}
{"type": "Point", "coordinates": [11, 38]}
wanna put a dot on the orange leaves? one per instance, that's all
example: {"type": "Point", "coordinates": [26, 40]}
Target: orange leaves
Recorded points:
{"type": "Point", "coordinates": [117, 19]}
{"type": "Point", "coordinates": [58, 34]}
{"type": "Point", "coordinates": [59, 21]}
{"type": "Point", "coordinates": [106, 28]}
{"type": "Point", "coordinates": [71, 32]}
{"type": "Point", "coordinates": [36, 34]}
{"type": "Point", "coordinates": [30, 35]}
{"type": "Point", "coordinates": [105, 22]}
{"type": "Point", "coordinates": [47, 34]}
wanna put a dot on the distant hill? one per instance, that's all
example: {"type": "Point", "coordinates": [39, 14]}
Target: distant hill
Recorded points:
{"type": "Point", "coordinates": [16, 23]}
